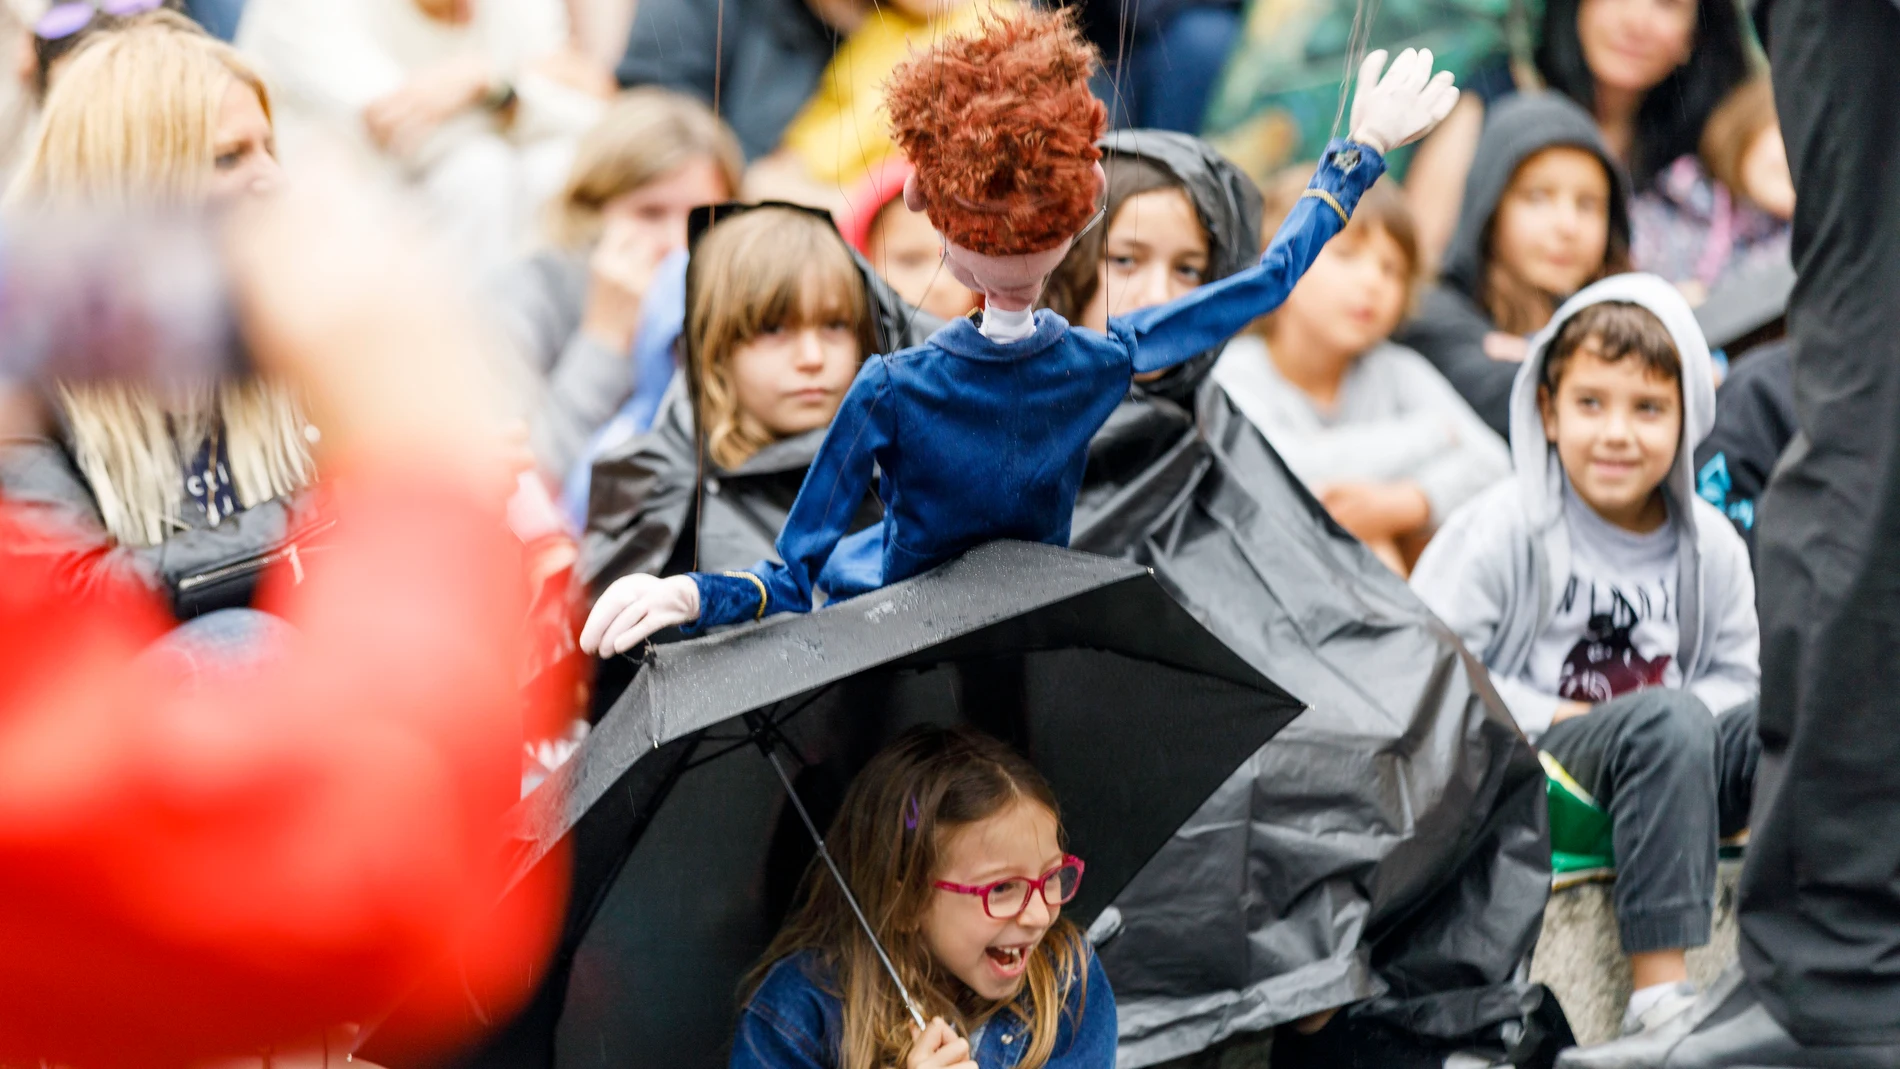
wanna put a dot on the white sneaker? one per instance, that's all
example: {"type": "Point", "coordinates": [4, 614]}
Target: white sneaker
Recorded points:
{"type": "Point", "coordinates": [1674, 1003]}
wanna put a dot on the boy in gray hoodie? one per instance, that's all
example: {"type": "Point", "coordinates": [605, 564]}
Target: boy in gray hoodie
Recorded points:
{"type": "Point", "coordinates": [1616, 610]}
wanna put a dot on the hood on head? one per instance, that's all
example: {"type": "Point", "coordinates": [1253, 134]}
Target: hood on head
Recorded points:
{"type": "Point", "coordinates": [884, 184]}
{"type": "Point", "coordinates": [1515, 130]}
{"type": "Point", "coordinates": [895, 324]}
{"type": "Point", "coordinates": [1228, 205]}
{"type": "Point", "coordinates": [1538, 470]}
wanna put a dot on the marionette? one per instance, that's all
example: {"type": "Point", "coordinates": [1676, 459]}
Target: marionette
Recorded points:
{"type": "Point", "coordinates": [982, 432]}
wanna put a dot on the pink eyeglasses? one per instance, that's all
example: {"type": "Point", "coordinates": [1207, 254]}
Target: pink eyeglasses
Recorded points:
{"type": "Point", "coordinates": [1006, 899]}
{"type": "Point", "coordinates": [64, 20]}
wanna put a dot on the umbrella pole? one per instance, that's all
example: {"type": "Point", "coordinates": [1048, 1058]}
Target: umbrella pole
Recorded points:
{"type": "Point", "coordinates": [910, 1004]}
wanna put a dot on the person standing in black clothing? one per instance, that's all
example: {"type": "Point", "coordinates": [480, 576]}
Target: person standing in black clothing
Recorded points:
{"type": "Point", "coordinates": [1820, 901]}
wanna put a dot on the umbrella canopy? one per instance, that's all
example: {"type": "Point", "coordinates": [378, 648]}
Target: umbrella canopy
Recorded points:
{"type": "Point", "coordinates": [687, 855]}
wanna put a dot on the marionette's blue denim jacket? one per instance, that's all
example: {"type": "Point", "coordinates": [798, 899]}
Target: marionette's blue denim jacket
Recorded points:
{"type": "Point", "coordinates": [972, 440]}
{"type": "Point", "coordinates": [792, 1023]}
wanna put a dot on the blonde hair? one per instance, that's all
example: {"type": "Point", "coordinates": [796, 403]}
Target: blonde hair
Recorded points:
{"type": "Point", "coordinates": [646, 134]}
{"type": "Point", "coordinates": [757, 271]}
{"type": "Point", "coordinates": [131, 124]}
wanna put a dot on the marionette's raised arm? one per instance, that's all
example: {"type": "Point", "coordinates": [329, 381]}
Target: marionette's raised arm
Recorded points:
{"type": "Point", "coordinates": [833, 491]}
{"type": "Point", "coordinates": [1166, 334]}
{"type": "Point", "coordinates": [1387, 111]}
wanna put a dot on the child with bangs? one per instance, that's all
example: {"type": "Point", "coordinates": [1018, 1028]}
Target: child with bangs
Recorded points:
{"type": "Point", "coordinates": [779, 314]}
{"type": "Point", "coordinates": [1616, 610]}
{"type": "Point", "coordinates": [953, 841]}
{"type": "Point", "coordinates": [1371, 428]}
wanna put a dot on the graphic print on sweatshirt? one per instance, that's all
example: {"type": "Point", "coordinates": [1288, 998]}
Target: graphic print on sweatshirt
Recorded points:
{"type": "Point", "coordinates": [1613, 627]}
{"type": "Point", "coordinates": [1605, 662]}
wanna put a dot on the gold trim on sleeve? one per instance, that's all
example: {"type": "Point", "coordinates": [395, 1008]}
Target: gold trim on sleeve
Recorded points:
{"type": "Point", "coordinates": [1331, 202]}
{"type": "Point", "coordinates": [756, 581]}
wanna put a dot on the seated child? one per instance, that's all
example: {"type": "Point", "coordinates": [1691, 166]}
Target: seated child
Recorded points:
{"type": "Point", "coordinates": [782, 314]}
{"type": "Point", "coordinates": [982, 433]}
{"type": "Point", "coordinates": [1546, 211]}
{"type": "Point", "coordinates": [1373, 430]}
{"type": "Point", "coordinates": [1616, 609]}
{"type": "Point", "coordinates": [901, 244]}
{"type": "Point", "coordinates": [953, 841]}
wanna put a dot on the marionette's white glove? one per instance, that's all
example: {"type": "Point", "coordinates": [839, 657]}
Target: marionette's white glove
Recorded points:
{"type": "Point", "coordinates": [635, 607]}
{"type": "Point", "coordinates": [1403, 106]}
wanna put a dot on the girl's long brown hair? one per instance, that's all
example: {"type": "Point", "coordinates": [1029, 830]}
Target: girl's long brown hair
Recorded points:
{"type": "Point", "coordinates": [888, 840]}
{"type": "Point", "coordinates": [757, 271]}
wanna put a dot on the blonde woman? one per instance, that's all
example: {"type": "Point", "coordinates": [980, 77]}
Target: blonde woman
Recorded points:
{"type": "Point", "coordinates": [570, 312]}
{"type": "Point", "coordinates": [195, 494]}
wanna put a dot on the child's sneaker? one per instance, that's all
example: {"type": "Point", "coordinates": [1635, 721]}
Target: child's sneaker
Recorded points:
{"type": "Point", "coordinates": [1666, 1007]}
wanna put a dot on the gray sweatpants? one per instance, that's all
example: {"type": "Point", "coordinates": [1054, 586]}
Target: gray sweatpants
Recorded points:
{"type": "Point", "coordinates": [1675, 780]}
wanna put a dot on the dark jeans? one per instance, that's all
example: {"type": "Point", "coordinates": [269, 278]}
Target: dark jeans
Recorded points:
{"type": "Point", "coordinates": [1820, 902]}
{"type": "Point", "coordinates": [1674, 780]}
{"type": "Point", "coordinates": [1168, 73]}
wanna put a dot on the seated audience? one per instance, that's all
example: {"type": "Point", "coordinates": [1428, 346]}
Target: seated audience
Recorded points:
{"type": "Point", "coordinates": [1373, 430]}
{"type": "Point", "coordinates": [1616, 610]}
{"type": "Point", "coordinates": [1545, 212]}
{"type": "Point", "coordinates": [475, 106]}
{"type": "Point", "coordinates": [1649, 74]}
{"type": "Point", "coordinates": [571, 312]}
{"type": "Point", "coordinates": [1724, 210]}
{"type": "Point", "coordinates": [903, 247]}
{"type": "Point", "coordinates": [190, 496]}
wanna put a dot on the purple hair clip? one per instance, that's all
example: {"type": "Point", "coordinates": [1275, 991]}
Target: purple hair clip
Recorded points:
{"type": "Point", "coordinates": [910, 814]}
{"type": "Point", "coordinates": [64, 20]}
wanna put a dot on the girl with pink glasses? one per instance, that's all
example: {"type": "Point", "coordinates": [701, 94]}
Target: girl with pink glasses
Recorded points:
{"type": "Point", "coordinates": [952, 844]}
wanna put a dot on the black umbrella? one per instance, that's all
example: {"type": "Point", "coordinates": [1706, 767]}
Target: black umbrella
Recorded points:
{"type": "Point", "coordinates": [686, 855]}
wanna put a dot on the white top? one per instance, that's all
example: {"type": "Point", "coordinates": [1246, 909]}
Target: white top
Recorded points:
{"type": "Point", "coordinates": [1004, 327]}
{"type": "Point", "coordinates": [1396, 418]}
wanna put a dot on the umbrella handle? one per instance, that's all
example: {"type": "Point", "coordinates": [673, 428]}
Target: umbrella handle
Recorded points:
{"type": "Point", "coordinates": [910, 1004]}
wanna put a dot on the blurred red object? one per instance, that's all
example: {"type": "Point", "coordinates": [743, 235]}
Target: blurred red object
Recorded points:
{"type": "Point", "coordinates": [197, 871]}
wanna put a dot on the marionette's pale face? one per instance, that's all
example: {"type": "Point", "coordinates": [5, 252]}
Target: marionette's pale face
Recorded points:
{"type": "Point", "coordinates": [1011, 283]}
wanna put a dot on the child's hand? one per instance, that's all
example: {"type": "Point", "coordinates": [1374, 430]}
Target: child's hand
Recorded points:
{"type": "Point", "coordinates": [618, 275]}
{"type": "Point", "coordinates": [635, 607]}
{"type": "Point", "coordinates": [1404, 105]}
{"type": "Point", "coordinates": [938, 1047]}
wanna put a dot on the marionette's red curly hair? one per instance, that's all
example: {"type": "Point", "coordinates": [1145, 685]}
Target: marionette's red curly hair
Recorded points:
{"type": "Point", "coordinates": [1002, 129]}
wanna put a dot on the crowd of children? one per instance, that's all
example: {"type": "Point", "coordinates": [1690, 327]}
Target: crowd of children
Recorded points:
{"type": "Point", "coordinates": [1492, 376]}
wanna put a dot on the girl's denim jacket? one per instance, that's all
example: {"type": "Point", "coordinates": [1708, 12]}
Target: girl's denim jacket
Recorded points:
{"type": "Point", "coordinates": [792, 1022]}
